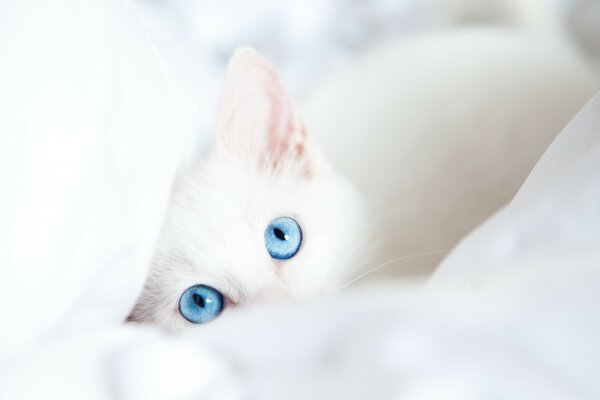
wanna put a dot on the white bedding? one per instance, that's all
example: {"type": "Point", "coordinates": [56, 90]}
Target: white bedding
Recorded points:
{"type": "Point", "coordinates": [92, 127]}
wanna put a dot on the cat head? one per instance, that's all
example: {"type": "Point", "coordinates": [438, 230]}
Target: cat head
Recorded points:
{"type": "Point", "coordinates": [262, 217]}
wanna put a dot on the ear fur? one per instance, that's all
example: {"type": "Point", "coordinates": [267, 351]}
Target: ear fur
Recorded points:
{"type": "Point", "coordinates": [257, 121]}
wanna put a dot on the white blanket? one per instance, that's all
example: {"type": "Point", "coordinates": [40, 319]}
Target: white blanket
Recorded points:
{"type": "Point", "coordinates": [92, 127]}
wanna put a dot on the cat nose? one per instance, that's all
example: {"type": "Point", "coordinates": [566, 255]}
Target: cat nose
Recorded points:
{"type": "Point", "coordinates": [272, 294]}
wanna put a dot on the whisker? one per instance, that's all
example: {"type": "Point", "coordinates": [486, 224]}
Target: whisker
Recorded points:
{"type": "Point", "coordinates": [365, 239]}
{"type": "Point", "coordinates": [390, 262]}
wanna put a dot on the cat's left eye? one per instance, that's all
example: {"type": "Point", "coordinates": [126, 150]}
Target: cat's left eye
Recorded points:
{"type": "Point", "coordinates": [200, 304]}
{"type": "Point", "coordinates": [283, 238]}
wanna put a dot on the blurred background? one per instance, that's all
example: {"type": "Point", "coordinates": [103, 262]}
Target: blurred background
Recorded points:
{"type": "Point", "coordinates": [306, 40]}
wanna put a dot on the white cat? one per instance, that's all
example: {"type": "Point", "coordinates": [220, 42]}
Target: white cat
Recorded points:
{"type": "Point", "coordinates": [262, 217]}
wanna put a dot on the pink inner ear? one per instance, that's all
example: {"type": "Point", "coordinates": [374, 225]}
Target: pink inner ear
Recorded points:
{"type": "Point", "coordinates": [281, 123]}
{"type": "Point", "coordinates": [257, 116]}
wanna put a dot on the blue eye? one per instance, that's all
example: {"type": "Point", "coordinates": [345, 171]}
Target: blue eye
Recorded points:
{"type": "Point", "coordinates": [200, 304]}
{"type": "Point", "coordinates": [283, 238]}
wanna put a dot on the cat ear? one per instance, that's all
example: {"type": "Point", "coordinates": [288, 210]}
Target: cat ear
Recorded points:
{"type": "Point", "coordinates": [257, 121]}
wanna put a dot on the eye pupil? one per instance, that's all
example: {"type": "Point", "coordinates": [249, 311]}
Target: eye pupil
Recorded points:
{"type": "Point", "coordinates": [279, 234]}
{"type": "Point", "coordinates": [198, 300]}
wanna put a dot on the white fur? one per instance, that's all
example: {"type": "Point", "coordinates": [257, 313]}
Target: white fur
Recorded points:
{"type": "Point", "coordinates": [213, 233]}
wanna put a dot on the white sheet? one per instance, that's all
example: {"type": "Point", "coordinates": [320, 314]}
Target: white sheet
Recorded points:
{"type": "Point", "coordinates": [92, 128]}
{"type": "Point", "coordinates": [513, 313]}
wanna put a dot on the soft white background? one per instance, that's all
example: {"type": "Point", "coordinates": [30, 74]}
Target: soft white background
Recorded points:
{"type": "Point", "coordinates": [306, 40]}
{"type": "Point", "coordinates": [92, 128]}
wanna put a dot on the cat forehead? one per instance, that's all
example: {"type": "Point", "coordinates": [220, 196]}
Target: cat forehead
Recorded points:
{"type": "Point", "coordinates": [238, 188]}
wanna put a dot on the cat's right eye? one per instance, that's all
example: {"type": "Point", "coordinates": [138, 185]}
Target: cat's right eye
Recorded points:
{"type": "Point", "coordinates": [200, 304]}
